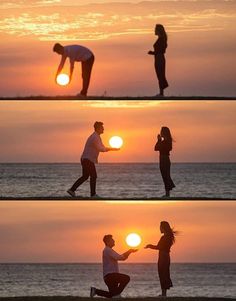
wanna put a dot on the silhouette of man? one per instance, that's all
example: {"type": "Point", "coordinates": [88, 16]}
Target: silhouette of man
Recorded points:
{"type": "Point", "coordinates": [76, 53]}
{"type": "Point", "coordinates": [89, 157]}
{"type": "Point", "coordinates": [115, 281]}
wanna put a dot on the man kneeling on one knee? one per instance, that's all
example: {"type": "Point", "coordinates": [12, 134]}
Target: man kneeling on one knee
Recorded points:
{"type": "Point", "coordinates": [115, 281]}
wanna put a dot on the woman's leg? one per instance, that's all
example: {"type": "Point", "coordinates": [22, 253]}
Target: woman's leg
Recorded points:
{"type": "Point", "coordinates": [160, 67]}
{"type": "Point", "coordinates": [165, 172]}
{"type": "Point", "coordinates": [163, 292]}
{"type": "Point", "coordinates": [164, 273]}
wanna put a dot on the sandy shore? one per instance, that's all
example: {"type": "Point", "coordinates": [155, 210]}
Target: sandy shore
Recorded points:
{"type": "Point", "coordinates": [70, 298]}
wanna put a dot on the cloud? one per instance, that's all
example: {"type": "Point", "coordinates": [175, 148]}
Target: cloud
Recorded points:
{"type": "Point", "coordinates": [27, 3]}
{"type": "Point", "coordinates": [97, 22]}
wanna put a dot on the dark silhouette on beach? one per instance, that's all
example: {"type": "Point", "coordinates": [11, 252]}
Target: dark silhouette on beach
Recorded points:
{"type": "Point", "coordinates": [89, 157]}
{"type": "Point", "coordinates": [115, 281]}
{"type": "Point", "coordinates": [164, 245]}
{"type": "Point", "coordinates": [164, 146]}
{"type": "Point", "coordinates": [76, 53]}
{"type": "Point", "coordinates": [159, 55]}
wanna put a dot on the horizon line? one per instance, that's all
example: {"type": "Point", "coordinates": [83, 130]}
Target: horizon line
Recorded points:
{"type": "Point", "coordinates": [122, 98]}
{"type": "Point", "coordinates": [135, 162]}
{"type": "Point", "coordinates": [148, 262]}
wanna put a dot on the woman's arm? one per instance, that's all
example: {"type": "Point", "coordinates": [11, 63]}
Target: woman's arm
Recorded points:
{"type": "Point", "coordinates": [158, 144]}
{"type": "Point", "coordinates": [153, 247]}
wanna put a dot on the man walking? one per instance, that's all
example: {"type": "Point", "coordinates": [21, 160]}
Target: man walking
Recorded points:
{"type": "Point", "coordinates": [115, 281]}
{"type": "Point", "coordinates": [89, 157]}
{"type": "Point", "coordinates": [76, 53]}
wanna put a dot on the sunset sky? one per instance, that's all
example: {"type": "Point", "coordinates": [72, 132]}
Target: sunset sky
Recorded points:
{"type": "Point", "coordinates": [57, 131]}
{"type": "Point", "coordinates": [73, 231]}
{"type": "Point", "coordinates": [200, 55]}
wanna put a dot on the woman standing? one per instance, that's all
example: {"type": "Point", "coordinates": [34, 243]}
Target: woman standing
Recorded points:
{"type": "Point", "coordinates": [164, 146]}
{"type": "Point", "coordinates": [164, 245]}
{"type": "Point", "coordinates": [159, 55]}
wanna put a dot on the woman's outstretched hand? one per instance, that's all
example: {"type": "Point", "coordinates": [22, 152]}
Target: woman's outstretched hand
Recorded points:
{"type": "Point", "coordinates": [150, 52]}
{"type": "Point", "coordinates": [147, 246]}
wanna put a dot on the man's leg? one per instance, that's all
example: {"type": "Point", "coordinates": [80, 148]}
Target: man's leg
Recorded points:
{"type": "Point", "coordinates": [112, 285]}
{"type": "Point", "coordinates": [116, 283]}
{"type": "Point", "coordinates": [93, 178]}
{"type": "Point", "coordinates": [86, 74]}
{"type": "Point", "coordinates": [123, 280]}
{"type": "Point", "coordinates": [85, 175]}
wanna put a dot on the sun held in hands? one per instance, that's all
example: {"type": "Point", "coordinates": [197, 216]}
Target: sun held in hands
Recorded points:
{"type": "Point", "coordinates": [116, 142]}
{"type": "Point", "coordinates": [63, 79]}
{"type": "Point", "coordinates": [133, 240]}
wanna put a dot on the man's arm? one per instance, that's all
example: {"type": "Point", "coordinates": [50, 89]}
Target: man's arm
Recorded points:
{"type": "Point", "coordinates": [126, 254]}
{"type": "Point", "coordinates": [72, 63]}
{"type": "Point", "coordinates": [101, 147]}
{"type": "Point", "coordinates": [61, 65]}
{"type": "Point", "coordinates": [123, 256]}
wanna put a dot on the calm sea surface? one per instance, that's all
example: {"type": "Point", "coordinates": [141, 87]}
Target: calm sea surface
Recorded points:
{"type": "Point", "coordinates": [209, 280]}
{"type": "Point", "coordinates": [124, 180]}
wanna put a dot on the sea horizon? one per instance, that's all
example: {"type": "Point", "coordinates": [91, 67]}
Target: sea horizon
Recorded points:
{"type": "Point", "coordinates": [189, 280]}
{"type": "Point", "coordinates": [121, 181]}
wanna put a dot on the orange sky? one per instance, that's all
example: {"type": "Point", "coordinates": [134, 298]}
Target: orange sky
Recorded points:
{"type": "Point", "coordinates": [72, 231]}
{"type": "Point", "coordinates": [200, 55]}
{"type": "Point", "coordinates": [56, 131]}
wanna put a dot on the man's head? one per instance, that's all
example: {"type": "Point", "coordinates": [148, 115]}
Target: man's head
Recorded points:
{"type": "Point", "coordinates": [98, 127]}
{"type": "Point", "coordinates": [108, 240]}
{"type": "Point", "coordinates": [58, 48]}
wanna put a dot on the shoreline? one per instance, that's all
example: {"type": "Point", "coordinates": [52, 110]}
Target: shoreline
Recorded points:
{"type": "Point", "coordinates": [115, 98]}
{"type": "Point", "coordinates": [74, 298]}
{"type": "Point", "coordinates": [81, 198]}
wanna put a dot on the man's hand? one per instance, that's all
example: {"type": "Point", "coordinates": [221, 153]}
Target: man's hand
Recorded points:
{"type": "Point", "coordinates": [56, 78]}
{"type": "Point", "coordinates": [133, 250]}
{"type": "Point", "coordinates": [113, 148]}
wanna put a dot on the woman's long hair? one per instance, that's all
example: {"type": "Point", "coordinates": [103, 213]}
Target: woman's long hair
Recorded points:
{"type": "Point", "coordinates": [169, 231]}
{"type": "Point", "coordinates": [162, 33]}
{"type": "Point", "coordinates": [165, 132]}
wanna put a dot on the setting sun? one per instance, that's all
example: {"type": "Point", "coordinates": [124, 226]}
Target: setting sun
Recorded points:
{"type": "Point", "coordinates": [116, 141]}
{"type": "Point", "coordinates": [133, 240]}
{"type": "Point", "coordinates": [62, 79]}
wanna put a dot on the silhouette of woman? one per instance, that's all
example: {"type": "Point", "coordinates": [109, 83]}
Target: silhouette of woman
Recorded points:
{"type": "Point", "coordinates": [164, 245]}
{"type": "Point", "coordinates": [164, 146]}
{"type": "Point", "coordinates": [159, 55]}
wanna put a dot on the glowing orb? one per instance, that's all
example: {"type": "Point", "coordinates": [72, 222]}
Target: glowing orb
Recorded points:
{"type": "Point", "coordinates": [133, 240]}
{"type": "Point", "coordinates": [62, 79]}
{"type": "Point", "coordinates": [116, 142]}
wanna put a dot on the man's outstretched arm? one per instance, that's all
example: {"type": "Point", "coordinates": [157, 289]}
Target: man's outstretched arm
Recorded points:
{"type": "Point", "coordinates": [61, 65]}
{"type": "Point", "coordinates": [126, 254]}
{"type": "Point", "coordinates": [72, 63]}
{"type": "Point", "coordinates": [123, 256]}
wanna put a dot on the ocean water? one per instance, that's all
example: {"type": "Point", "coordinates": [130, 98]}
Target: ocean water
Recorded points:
{"type": "Point", "coordinates": [119, 180]}
{"type": "Point", "coordinates": [208, 280]}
